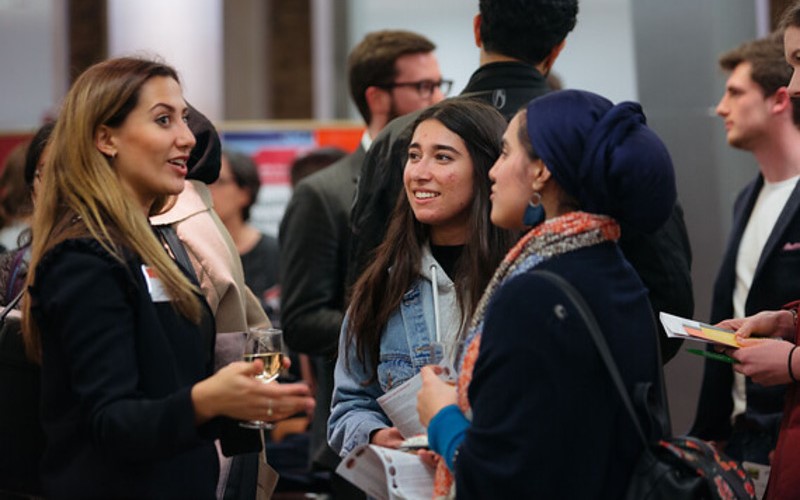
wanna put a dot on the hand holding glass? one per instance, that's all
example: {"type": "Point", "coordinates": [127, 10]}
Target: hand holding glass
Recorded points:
{"type": "Point", "coordinates": [265, 344]}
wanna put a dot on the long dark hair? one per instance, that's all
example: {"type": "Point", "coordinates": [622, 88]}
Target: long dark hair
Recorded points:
{"type": "Point", "coordinates": [377, 292]}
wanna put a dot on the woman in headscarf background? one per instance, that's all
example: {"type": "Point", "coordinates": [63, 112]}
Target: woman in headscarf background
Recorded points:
{"type": "Point", "coordinates": [535, 414]}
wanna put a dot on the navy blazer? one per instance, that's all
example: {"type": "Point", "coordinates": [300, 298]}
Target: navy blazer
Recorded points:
{"type": "Point", "coordinates": [547, 419]}
{"type": "Point", "coordinates": [775, 283]}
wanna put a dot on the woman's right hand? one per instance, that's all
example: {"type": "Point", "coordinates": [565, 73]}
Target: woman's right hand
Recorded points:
{"type": "Point", "coordinates": [778, 324]}
{"type": "Point", "coordinates": [388, 437]}
{"type": "Point", "coordinates": [234, 392]}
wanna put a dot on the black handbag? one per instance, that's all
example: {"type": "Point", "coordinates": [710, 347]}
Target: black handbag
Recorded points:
{"type": "Point", "coordinates": [671, 467]}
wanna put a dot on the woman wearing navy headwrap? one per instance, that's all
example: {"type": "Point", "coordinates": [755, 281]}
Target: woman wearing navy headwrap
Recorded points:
{"type": "Point", "coordinates": [535, 414]}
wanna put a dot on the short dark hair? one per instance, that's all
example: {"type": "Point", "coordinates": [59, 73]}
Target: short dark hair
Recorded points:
{"type": "Point", "coordinates": [790, 17]}
{"type": "Point", "coordinates": [527, 30]}
{"type": "Point", "coordinates": [35, 150]}
{"type": "Point", "coordinates": [372, 62]}
{"type": "Point", "coordinates": [769, 69]}
{"type": "Point", "coordinates": [313, 161]}
{"type": "Point", "coordinates": [245, 175]}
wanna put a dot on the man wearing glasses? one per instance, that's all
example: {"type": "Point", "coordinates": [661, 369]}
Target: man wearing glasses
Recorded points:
{"type": "Point", "coordinates": [390, 73]}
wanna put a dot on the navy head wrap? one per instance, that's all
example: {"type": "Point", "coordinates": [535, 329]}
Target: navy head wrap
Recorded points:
{"type": "Point", "coordinates": [605, 156]}
{"type": "Point", "coordinates": [206, 156]}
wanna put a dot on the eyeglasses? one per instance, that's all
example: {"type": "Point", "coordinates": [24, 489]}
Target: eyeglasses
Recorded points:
{"type": "Point", "coordinates": [423, 87]}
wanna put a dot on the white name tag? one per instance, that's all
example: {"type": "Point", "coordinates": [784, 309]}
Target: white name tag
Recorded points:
{"type": "Point", "coordinates": [154, 285]}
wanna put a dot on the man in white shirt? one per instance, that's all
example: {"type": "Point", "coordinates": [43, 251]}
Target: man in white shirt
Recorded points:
{"type": "Point", "coordinates": [761, 265]}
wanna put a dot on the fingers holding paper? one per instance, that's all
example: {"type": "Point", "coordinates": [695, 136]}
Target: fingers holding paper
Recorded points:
{"type": "Point", "coordinates": [765, 324]}
{"type": "Point", "coordinates": [434, 395]}
{"type": "Point", "coordinates": [388, 437]}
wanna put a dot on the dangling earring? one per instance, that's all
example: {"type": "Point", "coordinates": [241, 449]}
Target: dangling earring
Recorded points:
{"type": "Point", "coordinates": [534, 212]}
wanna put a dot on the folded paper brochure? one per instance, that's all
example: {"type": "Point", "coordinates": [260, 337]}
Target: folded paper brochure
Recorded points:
{"type": "Point", "coordinates": [677, 327]}
{"type": "Point", "coordinates": [387, 474]}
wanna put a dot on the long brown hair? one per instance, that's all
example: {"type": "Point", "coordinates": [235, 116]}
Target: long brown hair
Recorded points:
{"type": "Point", "coordinates": [81, 195]}
{"type": "Point", "coordinates": [377, 292]}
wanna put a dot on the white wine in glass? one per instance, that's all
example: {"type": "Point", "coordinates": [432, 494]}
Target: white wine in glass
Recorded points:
{"type": "Point", "coordinates": [265, 344]}
{"type": "Point", "coordinates": [273, 363]}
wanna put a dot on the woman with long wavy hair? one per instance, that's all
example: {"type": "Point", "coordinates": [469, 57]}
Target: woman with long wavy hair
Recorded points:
{"type": "Point", "coordinates": [440, 244]}
{"type": "Point", "coordinates": [130, 407]}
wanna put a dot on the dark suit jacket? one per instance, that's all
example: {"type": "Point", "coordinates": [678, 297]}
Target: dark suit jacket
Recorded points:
{"type": "Point", "coordinates": [314, 238]}
{"type": "Point", "coordinates": [774, 284]}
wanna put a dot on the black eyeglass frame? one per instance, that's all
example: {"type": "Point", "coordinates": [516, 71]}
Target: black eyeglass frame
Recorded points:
{"type": "Point", "coordinates": [423, 87]}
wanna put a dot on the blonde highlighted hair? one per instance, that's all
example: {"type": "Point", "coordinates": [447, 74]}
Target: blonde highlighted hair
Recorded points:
{"type": "Point", "coordinates": [81, 195]}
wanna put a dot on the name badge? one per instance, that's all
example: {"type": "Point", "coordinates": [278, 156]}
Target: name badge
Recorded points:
{"type": "Point", "coordinates": [154, 285]}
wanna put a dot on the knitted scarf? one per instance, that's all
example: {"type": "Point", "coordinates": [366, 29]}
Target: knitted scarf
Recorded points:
{"type": "Point", "coordinates": [554, 237]}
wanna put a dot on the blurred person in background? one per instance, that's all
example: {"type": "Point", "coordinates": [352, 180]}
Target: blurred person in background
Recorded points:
{"type": "Point", "coordinates": [21, 432]}
{"type": "Point", "coordinates": [234, 193]}
{"type": "Point", "coordinates": [774, 361]}
{"type": "Point", "coordinates": [313, 161]}
{"type": "Point", "coordinates": [15, 199]}
{"type": "Point", "coordinates": [760, 117]}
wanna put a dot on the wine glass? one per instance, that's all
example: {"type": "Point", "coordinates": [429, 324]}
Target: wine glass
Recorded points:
{"type": "Point", "coordinates": [265, 344]}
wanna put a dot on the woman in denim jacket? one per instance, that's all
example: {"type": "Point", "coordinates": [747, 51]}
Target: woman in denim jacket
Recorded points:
{"type": "Point", "coordinates": [439, 239]}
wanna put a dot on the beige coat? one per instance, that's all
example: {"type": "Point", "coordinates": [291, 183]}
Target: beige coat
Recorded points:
{"type": "Point", "coordinates": [219, 270]}
{"type": "Point", "coordinates": [215, 259]}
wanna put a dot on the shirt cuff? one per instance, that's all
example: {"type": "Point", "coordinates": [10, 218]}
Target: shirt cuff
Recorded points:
{"type": "Point", "coordinates": [446, 431]}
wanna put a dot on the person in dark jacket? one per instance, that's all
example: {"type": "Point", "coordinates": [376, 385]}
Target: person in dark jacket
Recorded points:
{"type": "Point", "coordinates": [129, 403]}
{"type": "Point", "coordinates": [742, 416]}
{"type": "Point", "coordinates": [556, 176]}
{"type": "Point", "coordinates": [774, 361]}
{"type": "Point", "coordinates": [519, 42]}
{"type": "Point", "coordinates": [20, 429]}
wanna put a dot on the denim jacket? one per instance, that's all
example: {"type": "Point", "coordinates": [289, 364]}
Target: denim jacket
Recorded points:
{"type": "Point", "coordinates": [404, 350]}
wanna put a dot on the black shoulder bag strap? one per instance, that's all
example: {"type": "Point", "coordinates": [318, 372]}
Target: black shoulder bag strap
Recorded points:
{"type": "Point", "coordinates": [599, 341]}
{"type": "Point", "coordinates": [9, 307]}
{"type": "Point", "coordinates": [170, 237]}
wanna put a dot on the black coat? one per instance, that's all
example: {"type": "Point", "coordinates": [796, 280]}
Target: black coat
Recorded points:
{"type": "Point", "coordinates": [547, 419]}
{"type": "Point", "coordinates": [117, 371]}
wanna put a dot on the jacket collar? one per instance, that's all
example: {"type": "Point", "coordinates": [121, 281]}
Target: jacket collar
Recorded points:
{"type": "Point", "coordinates": [507, 74]}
